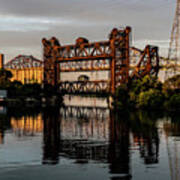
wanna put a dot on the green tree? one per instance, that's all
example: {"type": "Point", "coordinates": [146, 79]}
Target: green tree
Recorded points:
{"type": "Point", "coordinates": [173, 102]}
{"type": "Point", "coordinates": [172, 83]}
{"type": "Point", "coordinates": [152, 98]}
{"type": "Point", "coordinates": [5, 75]}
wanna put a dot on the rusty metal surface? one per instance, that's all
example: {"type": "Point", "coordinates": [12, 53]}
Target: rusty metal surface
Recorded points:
{"type": "Point", "coordinates": [147, 64]}
{"type": "Point", "coordinates": [115, 55]}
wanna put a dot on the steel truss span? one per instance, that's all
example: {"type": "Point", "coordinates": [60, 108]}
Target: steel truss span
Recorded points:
{"type": "Point", "coordinates": [25, 69]}
{"type": "Point", "coordinates": [148, 62]}
{"type": "Point", "coordinates": [75, 87]}
{"type": "Point", "coordinates": [173, 59]}
{"type": "Point", "coordinates": [114, 55]}
{"type": "Point", "coordinates": [23, 62]}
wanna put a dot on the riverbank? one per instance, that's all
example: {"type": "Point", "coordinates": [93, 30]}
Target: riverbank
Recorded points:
{"type": "Point", "coordinates": [32, 94]}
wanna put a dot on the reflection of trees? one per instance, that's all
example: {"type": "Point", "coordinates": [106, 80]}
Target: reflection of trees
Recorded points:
{"type": "Point", "coordinates": [172, 127]}
{"type": "Point", "coordinates": [172, 133]}
{"type": "Point", "coordinates": [2, 131]}
{"type": "Point", "coordinates": [145, 132]}
{"type": "Point", "coordinates": [51, 135]}
{"type": "Point", "coordinates": [119, 147]}
{"type": "Point", "coordinates": [4, 125]}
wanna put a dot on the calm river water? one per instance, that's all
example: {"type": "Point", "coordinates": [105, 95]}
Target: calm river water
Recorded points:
{"type": "Point", "coordinates": [84, 140]}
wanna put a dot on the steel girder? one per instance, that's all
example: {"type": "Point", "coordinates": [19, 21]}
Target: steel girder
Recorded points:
{"type": "Point", "coordinates": [115, 55]}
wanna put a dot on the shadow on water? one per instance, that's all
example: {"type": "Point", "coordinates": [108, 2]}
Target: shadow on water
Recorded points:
{"type": "Point", "coordinates": [145, 135]}
{"type": "Point", "coordinates": [51, 136]}
{"type": "Point", "coordinates": [103, 138]}
{"type": "Point", "coordinates": [119, 141]}
{"type": "Point", "coordinates": [101, 135]}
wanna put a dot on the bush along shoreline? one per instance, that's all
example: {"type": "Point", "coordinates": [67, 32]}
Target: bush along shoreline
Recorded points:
{"type": "Point", "coordinates": [32, 94]}
{"type": "Point", "coordinates": [149, 93]}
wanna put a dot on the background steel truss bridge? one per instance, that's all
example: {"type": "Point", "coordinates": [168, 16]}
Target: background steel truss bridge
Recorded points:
{"type": "Point", "coordinates": [25, 69]}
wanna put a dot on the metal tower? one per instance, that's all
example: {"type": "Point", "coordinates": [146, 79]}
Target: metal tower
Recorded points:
{"type": "Point", "coordinates": [174, 48]}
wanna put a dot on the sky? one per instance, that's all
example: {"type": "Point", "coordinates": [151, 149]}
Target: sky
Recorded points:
{"type": "Point", "coordinates": [23, 23]}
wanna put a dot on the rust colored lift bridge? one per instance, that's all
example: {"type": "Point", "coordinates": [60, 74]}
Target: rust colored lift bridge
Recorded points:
{"type": "Point", "coordinates": [114, 55]}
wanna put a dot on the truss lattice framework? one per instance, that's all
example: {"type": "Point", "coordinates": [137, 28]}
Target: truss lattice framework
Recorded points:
{"type": "Point", "coordinates": [115, 55]}
{"type": "Point", "coordinates": [148, 62]}
{"type": "Point", "coordinates": [174, 48]}
{"type": "Point", "coordinates": [81, 87]}
{"type": "Point", "coordinates": [112, 55]}
{"type": "Point", "coordinates": [75, 111]}
{"type": "Point", "coordinates": [26, 69]}
{"type": "Point", "coordinates": [22, 62]}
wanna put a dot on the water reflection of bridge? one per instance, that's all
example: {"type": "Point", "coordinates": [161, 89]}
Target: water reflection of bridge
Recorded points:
{"type": "Point", "coordinates": [92, 134]}
{"type": "Point", "coordinates": [85, 134]}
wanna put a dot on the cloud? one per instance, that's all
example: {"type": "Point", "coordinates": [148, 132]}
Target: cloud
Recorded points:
{"type": "Point", "coordinates": [25, 22]}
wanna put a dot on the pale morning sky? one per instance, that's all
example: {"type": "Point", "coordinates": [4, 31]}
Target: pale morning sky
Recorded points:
{"type": "Point", "coordinates": [23, 23]}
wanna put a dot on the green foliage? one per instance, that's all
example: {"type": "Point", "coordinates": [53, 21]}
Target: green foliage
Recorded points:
{"type": "Point", "coordinates": [31, 90]}
{"type": "Point", "coordinates": [14, 89]}
{"type": "Point", "coordinates": [132, 98]}
{"type": "Point", "coordinates": [141, 93]}
{"type": "Point", "coordinates": [122, 96]}
{"type": "Point", "coordinates": [122, 93]}
{"type": "Point", "coordinates": [5, 77]}
{"type": "Point", "coordinates": [17, 90]}
{"type": "Point", "coordinates": [146, 92]}
{"type": "Point", "coordinates": [144, 84]}
{"type": "Point", "coordinates": [49, 90]}
{"type": "Point", "coordinates": [171, 87]}
{"type": "Point", "coordinates": [173, 102]}
{"type": "Point", "coordinates": [150, 99]}
{"type": "Point", "coordinates": [172, 83]}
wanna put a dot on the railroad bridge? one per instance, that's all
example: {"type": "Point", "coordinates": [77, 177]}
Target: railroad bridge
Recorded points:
{"type": "Point", "coordinates": [115, 56]}
{"type": "Point", "coordinates": [25, 69]}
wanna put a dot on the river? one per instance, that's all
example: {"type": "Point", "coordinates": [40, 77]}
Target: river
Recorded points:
{"type": "Point", "coordinates": [85, 140]}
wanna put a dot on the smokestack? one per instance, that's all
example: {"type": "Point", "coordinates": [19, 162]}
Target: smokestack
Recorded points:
{"type": "Point", "coordinates": [1, 61]}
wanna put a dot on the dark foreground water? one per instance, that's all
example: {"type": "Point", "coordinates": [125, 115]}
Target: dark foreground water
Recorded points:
{"type": "Point", "coordinates": [85, 143]}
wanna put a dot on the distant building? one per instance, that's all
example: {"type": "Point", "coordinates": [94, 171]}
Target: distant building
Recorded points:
{"type": "Point", "coordinates": [26, 69]}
